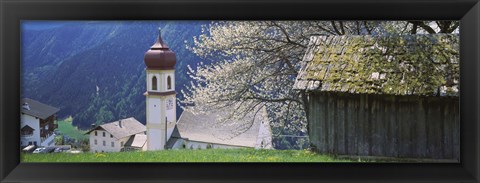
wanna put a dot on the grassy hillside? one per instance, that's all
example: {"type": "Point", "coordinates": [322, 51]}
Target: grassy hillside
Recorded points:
{"type": "Point", "coordinates": [186, 155]}
{"type": "Point", "coordinates": [65, 127]}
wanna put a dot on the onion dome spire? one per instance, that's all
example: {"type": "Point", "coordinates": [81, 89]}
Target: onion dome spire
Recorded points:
{"type": "Point", "coordinates": [160, 57]}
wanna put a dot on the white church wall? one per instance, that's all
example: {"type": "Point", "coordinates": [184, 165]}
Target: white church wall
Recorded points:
{"type": "Point", "coordinates": [171, 116]}
{"type": "Point", "coordinates": [222, 146]}
{"type": "Point", "coordinates": [156, 108]}
{"type": "Point", "coordinates": [178, 144]}
{"type": "Point", "coordinates": [201, 145]}
{"type": "Point", "coordinates": [155, 125]}
{"type": "Point", "coordinates": [196, 145]}
{"type": "Point", "coordinates": [164, 75]}
{"type": "Point", "coordinates": [264, 139]}
{"type": "Point", "coordinates": [150, 75]}
{"type": "Point", "coordinates": [156, 139]}
{"type": "Point", "coordinates": [158, 112]}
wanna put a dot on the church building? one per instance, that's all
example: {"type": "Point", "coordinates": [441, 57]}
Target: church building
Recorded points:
{"type": "Point", "coordinates": [160, 95]}
{"type": "Point", "coordinates": [192, 131]}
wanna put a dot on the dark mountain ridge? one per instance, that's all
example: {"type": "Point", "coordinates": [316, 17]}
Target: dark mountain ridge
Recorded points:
{"type": "Point", "coordinates": [94, 71]}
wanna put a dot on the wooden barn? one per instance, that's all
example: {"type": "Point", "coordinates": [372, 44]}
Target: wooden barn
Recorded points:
{"type": "Point", "coordinates": [387, 96]}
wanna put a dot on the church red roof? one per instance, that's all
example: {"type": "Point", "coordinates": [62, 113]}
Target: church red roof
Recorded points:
{"type": "Point", "coordinates": [160, 57]}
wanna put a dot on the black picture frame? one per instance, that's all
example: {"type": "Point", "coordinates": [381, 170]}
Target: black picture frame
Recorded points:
{"type": "Point", "coordinates": [12, 12]}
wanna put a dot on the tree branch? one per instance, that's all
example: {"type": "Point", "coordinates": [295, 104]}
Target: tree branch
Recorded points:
{"type": "Point", "coordinates": [335, 28]}
{"type": "Point", "coordinates": [423, 26]}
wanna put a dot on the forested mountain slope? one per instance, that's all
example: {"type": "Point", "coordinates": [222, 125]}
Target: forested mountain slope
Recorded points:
{"type": "Point", "coordinates": [94, 71]}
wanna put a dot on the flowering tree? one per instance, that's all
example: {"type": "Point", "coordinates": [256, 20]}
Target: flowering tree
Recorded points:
{"type": "Point", "coordinates": [255, 63]}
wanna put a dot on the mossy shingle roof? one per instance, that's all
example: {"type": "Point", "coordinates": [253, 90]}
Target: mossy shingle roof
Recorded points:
{"type": "Point", "coordinates": [425, 65]}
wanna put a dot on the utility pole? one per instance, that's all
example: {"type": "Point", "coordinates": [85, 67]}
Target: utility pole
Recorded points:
{"type": "Point", "coordinates": [165, 146]}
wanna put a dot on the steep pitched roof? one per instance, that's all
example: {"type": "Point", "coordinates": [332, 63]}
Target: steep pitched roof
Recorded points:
{"type": "Point", "coordinates": [176, 133]}
{"type": "Point", "coordinates": [37, 109]}
{"type": "Point", "coordinates": [171, 142]}
{"type": "Point", "coordinates": [426, 65]}
{"type": "Point", "coordinates": [204, 128]}
{"type": "Point", "coordinates": [26, 128]}
{"type": "Point", "coordinates": [173, 139]}
{"type": "Point", "coordinates": [122, 128]}
{"type": "Point", "coordinates": [137, 140]}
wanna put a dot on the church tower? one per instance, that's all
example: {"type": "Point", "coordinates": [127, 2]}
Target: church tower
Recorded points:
{"type": "Point", "coordinates": [160, 94]}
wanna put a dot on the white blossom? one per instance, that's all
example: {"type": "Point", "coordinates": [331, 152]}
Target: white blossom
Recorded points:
{"type": "Point", "coordinates": [255, 63]}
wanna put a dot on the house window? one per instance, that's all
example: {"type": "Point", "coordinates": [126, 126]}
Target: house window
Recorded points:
{"type": "Point", "coordinates": [113, 144]}
{"type": "Point", "coordinates": [154, 83]}
{"type": "Point", "coordinates": [169, 83]}
{"type": "Point", "coordinates": [103, 134]}
{"type": "Point", "coordinates": [95, 133]}
{"type": "Point", "coordinates": [104, 143]}
{"type": "Point", "coordinates": [95, 141]}
{"type": "Point", "coordinates": [111, 136]}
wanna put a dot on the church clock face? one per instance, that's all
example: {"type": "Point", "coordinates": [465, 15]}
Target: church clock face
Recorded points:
{"type": "Point", "coordinates": [169, 103]}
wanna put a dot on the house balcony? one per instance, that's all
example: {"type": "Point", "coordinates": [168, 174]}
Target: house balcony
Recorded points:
{"type": "Point", "coordinates": [26, 131]}
{"type": "Point", "coordinates": [47, 138]}
{"type": "Point", "coordinates": [26, 135]}
{"type": "Point", "coordinates": [49, 123]}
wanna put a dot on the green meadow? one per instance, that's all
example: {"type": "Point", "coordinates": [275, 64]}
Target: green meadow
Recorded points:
{"type": "Point", "coordinates": [187, 155]}
{"type": "Point", "coordinates": [65, 127]}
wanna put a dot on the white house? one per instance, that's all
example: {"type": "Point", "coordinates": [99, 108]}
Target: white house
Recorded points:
{"type": "Point", "coordinates": [122, 135]}
{"type": "Point", "coordinates": [37, 123]}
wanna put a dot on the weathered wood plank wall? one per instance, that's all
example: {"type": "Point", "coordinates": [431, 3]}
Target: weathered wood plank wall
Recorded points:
{"type": "Point", "coordinates": [385, 125]}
